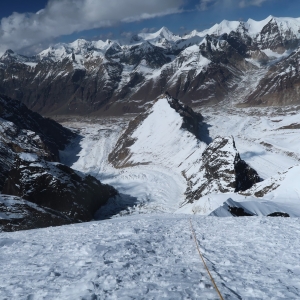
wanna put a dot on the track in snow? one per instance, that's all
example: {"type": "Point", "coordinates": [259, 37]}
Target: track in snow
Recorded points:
{"type": "Point", "coordinates": [153, 257]}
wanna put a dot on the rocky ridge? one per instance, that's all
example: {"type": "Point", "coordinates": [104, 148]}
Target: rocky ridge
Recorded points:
{"type": "Point", "coordinates": [169, 113]}
{"type": "Point", "coordinates": [221, 170]}
{"type": "Point", "coordinates": [280, 85]}
{"type": "Point", "coordinates": [169, 134]}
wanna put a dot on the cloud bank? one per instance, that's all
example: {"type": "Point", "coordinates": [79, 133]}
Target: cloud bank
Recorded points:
{"type": "Point", "coordinates": [245, 3]}
{"type": "Point", "coordinates": [206, 4]}
{"type": "Point", "coordinates": [63, 17]}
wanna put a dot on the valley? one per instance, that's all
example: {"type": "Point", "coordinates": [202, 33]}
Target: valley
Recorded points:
{"type": "Point", "coordinates": [263, 139]}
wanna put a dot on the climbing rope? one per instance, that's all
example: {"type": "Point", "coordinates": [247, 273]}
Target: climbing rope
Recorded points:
{"type": "Point", "coordinates": [202, 258]}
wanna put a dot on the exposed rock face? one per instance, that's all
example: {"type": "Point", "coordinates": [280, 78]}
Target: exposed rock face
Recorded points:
{"type": "Point", "coordinates": [22, 130]}
{"type": "Point", "coordinates": [57, 187]}
{"type": "Point", "coordinates": [238, 212]}
{"type": "Point", "coordinates": [279, 214]}
{"type": "Point", "coordinates": [48, 193]}
{"type": "Point", "coordinates": [106, 77]}
{"type": "Point", "coordinates": [168, 135]}
{"type": "Point", "coordinates": [270, 37]}
{"type": "Point", "coordinates": [245, 176]}
{"type": "Point", "coordinates": [53, 136]}
{"type": "Point", "coordinates": [175, 119]}
{"type": "Point", "coordinates": [280, 86]}
{"type": "Point", "coordinates": [221, 170]}
{"type": "Point", "coordinates": [19, 214]}
{"type": "Point", "coordinates": [190, 119]}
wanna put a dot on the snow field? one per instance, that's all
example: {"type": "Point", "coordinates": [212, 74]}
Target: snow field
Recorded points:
{"type": "Point", "coordinates": [160, 141]}
{"type": "Point", "coordinates": [153, 257]}
{"type": "Point", "coordinates": [259, 136]}
{"type": "Point", "coordinates": [262, 137]}
{"type": "Point", "coordinates": [168, 150]}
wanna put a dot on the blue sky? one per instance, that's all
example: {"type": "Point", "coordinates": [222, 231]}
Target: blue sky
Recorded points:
{"type": "Point", "coordinates": [25, 31]}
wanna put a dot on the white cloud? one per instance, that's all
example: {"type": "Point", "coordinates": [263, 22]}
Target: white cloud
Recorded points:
{"type": "Point", "coordinates": [206, 4]}
{"type": "Point", "coordinates": [63, 17]}
{"type": "Point", "coordinates": [245, 3]}
{"type": "Point", "coordinates": [149, 30]}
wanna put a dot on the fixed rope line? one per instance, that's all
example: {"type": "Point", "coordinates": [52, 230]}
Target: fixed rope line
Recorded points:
{"type": "Point", "coordinates": [202, 258]}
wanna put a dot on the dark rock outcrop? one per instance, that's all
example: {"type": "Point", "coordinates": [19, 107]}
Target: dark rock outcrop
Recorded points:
{"type": "Point", "coordinates": [279, 214]}
{"type": "Point", "coordinates": [221, 171]}
{"type": "Point", "coordinates": [191, 119]}
{"type": "Point", "coordinates": [245, 176]}
{"type": "Point", "coordinates": [49, 193]}
{"type": "Point", "coordinates": [19, 214]}
{"type": "Point", "coordinates": [53, 136]}
{"type": "Point", "coordinates": [238, 212]}
{"type": "Point", "coordinates": [57, 187]}
{"type": "Point", "coordinates": [25, 131]}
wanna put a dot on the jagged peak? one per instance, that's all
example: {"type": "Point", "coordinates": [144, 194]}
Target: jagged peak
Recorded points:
{"type": "Point", "coordinates": [79, 43]}
{"type": "Point", "coordinates": [165, 31]}
{"type": "Point", "coordinates": [9, 51]}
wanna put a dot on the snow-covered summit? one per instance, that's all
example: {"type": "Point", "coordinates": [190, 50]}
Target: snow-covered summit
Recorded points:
{"type": "Point", "coordinates": [156, 37]}
{"type": "Point", "coordinates": [10, 56]}
{"type": "Point", "coordinates": [219, 29]}
{"type": "Point", "coordinates": [79, 47]}
{"type": "Point", "coordinates": [285, 25]}
{"type": "Point", "coordinates": [158, 137]}
{"type": "Point", "coordinates": [253, 27]}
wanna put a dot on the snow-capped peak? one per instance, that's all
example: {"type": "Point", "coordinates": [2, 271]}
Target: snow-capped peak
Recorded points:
{"type": "Point", "coordinates": [79, 48]}
{"type": "Point", "coordinates": [291, 25]}
{"type": "Point", "coordinates": [166, 33]}
{"type": "Point", "coordinates": [163, 33]}
{"type": "Point", "coordinates": [79, 44]}
{"type": "Point", "coordinates": [10, 55]}
{"type": "Point", "coordinates": [159, 138]}
{"type": "Point", "coordinates": [253, 27]}
{"type": "Point", "coordinates": [219, 29]}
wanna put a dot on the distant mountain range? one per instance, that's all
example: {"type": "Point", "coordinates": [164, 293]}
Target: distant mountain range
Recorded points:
{"type": "Point", "coordinates": [107, 77]}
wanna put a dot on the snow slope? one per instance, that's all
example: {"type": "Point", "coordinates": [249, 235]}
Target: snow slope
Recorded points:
{"type": "Point", "coordinates": [151, 187]}
{"type": "Point", "coordinates": [218, 205]}
{"type": "Point", "coordinates": [153, 257]}
{"type": "Point", "coordinates": [282, 187]}
{"type": "Point", "coordinates": [162, 150]}
{"type": "Point", "coordinates": [263, 138]}
{"type": "Point", "coordinates": [262, 135]}
{"type": "Point", "coordinates": [161, 141]}
{"type": "Point", "coordinates": [158, 37]}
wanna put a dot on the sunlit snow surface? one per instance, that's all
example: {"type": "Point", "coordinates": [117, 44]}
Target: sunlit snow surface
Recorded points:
{"type": "Point", "coordinates": [153, 257]}
{"type": "Point", "coordinates": [262, 136]}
